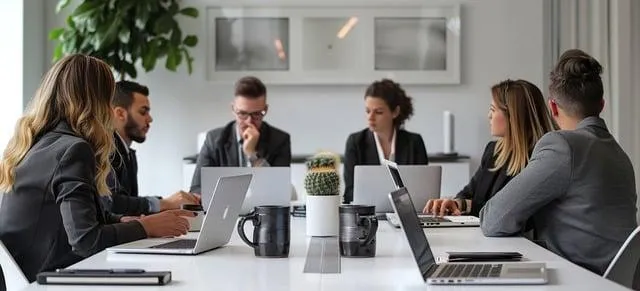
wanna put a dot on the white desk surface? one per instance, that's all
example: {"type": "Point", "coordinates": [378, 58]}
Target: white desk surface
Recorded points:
{"type": "Point", "coordinates": [234, 267]}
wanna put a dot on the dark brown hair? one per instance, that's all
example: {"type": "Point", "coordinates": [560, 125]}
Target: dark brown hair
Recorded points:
{"type": "Point", "coordinates": [124, 93]}
{"type": "Point", "coordinates": [250, 87]}
{"type": "Point", "coordinates": [576, 84]}
{"type": "Point", "coordinates": [394, 96]}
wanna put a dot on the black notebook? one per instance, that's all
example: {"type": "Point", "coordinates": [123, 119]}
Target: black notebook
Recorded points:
{"type": "Point", "coordinates": [104, 277]}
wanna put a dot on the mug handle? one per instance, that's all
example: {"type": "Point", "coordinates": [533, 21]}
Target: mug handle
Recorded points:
{"type": "Point", "coordinates": [372, 221]}
{"type": "Point", "coordinates": [250, 216]}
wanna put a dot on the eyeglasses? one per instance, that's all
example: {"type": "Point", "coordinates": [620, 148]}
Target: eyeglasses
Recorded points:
{"type": "Point", "coordinates": [254, 115]}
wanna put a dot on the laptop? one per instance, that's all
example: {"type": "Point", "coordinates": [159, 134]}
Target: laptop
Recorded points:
{"type": "Point", "coordinates": [372, 184]}
{"type": "Point", "coordinates": [217, 227]}
{"type": "Point", "coordinates": [458, 273]}
{"type": "Point", "coordinates": [269, 186]}
{"type": "Point", "coordinates": [425, 220]}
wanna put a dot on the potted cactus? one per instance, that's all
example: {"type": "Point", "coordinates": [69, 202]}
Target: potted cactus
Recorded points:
{"type": "Point", "coordinates": [322, 183]}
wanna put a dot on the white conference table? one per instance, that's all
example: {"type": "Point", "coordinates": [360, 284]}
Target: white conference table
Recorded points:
{"type": "Point", "coordinates": [234, 267]}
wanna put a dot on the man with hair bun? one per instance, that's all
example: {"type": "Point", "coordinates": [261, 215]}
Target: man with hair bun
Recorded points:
{"type": "Point", "coordinates": [579, 187]}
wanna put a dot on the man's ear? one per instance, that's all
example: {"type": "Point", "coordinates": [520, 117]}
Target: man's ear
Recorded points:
{"type": "Point", "coordinates": [601, 104]}
{"type": "Point", "coordinates": [554, 107]}
{"type": "Point", "coordinates": [119, 113]}
{"type": "Point", "coordinates": [266, 108]}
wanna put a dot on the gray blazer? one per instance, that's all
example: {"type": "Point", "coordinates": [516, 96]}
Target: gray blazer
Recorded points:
{"type": "Point", "coordinates": [52, 218]}
{"type": "Point", "coordinates": [579, 189]}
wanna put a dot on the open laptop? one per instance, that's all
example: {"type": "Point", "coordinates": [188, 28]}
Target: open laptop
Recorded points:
{"type": "Point", "coordinates": [217, 227]}
{"type": "Point", "coordinates": [458, 273]}
{"type": "Point", "coordinates": [372, 184]}
{"type": "Point", "coordinates": [425, 220]}
{"type": "Point", "coordinates": [269, 186]}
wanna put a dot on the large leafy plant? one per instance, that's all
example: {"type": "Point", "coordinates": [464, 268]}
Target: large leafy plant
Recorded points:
{"type": "Point", "coordinates": [122, 32]}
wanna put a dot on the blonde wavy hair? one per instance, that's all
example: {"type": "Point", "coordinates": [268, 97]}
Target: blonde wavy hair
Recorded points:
{"type": "Point", "coordinates": [528, 119]}
{"type": "Point", "coordinates": [78, 90]}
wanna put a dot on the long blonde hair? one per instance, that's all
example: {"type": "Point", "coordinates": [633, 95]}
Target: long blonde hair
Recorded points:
{"type": "Point", "coordinates": [528, 119]}
{"type": "Point", "coordinates": [77, 90]}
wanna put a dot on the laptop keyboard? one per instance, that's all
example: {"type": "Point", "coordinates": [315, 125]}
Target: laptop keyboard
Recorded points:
{"type": "Point", "coordinates": [470, 271]}
{"type": "Point", "coordinates": [177, 244]}
{"type": "Point", "coordinates": [433, 219]}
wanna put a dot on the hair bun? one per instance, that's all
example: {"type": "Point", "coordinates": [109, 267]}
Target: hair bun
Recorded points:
{"type": "Point", "coordinates": [577, 65]}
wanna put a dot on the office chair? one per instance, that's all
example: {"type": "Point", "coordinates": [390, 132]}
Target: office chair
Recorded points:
{"type": "Point", "coordinates": [624, 269]}
{"type": "Point", "coordinates": [14, 279]}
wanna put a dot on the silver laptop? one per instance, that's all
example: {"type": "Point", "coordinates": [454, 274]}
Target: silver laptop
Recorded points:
{"type": "Point", "coordinates": [372, 184]}
{"type": "Point", "coordinates": [425, 220]}
{"type": "Point", "coordinates": [458, 273]}
{"type": "Point", "coordinates": [270, 185]}
{"type": "Point", "coordinates": [217, 227]}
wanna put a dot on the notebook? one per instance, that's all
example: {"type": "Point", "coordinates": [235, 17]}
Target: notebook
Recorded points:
{"type": "Point", "coordinates": [103, 277]}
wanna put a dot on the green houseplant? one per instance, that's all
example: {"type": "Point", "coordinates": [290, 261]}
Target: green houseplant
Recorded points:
{"type": "Point", "coordinates": [123, 32]}
{"type": "Point", "coordinates": [322, 183]}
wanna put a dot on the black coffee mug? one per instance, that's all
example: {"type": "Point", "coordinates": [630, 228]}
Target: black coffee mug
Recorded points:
{"type": "Point", "coordinates": [271, 232]}
{"type": "Point", "coordinates": [358, 227]}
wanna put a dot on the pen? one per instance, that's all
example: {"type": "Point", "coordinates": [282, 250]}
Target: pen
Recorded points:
{"type": "Point", "coordinates": [100, 271]}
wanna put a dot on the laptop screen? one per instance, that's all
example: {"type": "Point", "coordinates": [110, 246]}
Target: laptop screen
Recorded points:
{"type": "Point", "coordinates": [412, 229]}
{"type": "Point", "coordinates": [395, 174]}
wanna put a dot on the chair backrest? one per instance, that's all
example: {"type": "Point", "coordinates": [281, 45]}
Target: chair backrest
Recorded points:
{"type": "Point", "coordinates": [624, 269]}
{"type": "Point", "coordinates": [13, 276]}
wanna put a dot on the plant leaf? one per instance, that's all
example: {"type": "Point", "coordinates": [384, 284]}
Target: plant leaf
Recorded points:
{"type": "Point", "coordinates": [57, 53]}
{"type": "Point", "coordinates": [173, 60]}
{"type": "Point", "coordinates": [61, 5]}
{"type": "Point", "coordinates": [189, 11]}
{"type": "Point", "coordinates": [189, 61]}
{"type": "Point", "coordinates": [164, 24]}
{"type": "Point", "coordinates": [129, 69]}
{"type": "Point", "coordinates": [87, 7]}
{"type": "Point", "coordinates": [190, 40]}
{"type": "Point", "coordinates": [150, 57]}
{"type": "Point", "coordinates": [55, 33]}
{"type": "Point", "coordinates": [176, 36]}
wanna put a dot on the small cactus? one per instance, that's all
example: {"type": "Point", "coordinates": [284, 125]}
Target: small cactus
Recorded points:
{"type": "Point", "coordinates": [322, 175]}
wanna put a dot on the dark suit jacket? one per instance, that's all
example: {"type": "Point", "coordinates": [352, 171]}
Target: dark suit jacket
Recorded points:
{"type": "Point", "coordinates": [123, 182]}
{"type": "Point", "coordinates": [484, 183]}
{"type": "Point", "coordinates": [52, 217]}
{"type": "Point", "coordinates": [220, 149]}
{"type": "Point", "coordinates": [361, 150]}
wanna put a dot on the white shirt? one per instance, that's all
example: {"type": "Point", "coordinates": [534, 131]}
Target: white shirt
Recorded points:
{"type": "Point", "coordinates": [392, 152]}
{"type": "Point", "coordinates": [126, 146]}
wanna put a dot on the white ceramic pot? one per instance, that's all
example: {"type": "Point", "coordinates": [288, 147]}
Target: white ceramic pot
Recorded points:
{"type": "Point", "coordinates": [322, 215]}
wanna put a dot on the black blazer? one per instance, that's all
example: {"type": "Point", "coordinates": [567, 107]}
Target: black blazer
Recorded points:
{"type": "Point", "coordinates": [361, 150]}
{"type": "Point", "coordinates": [484, 183]}
{"type": "Point", "coordinates": [52, 217]}
{"type": "Point", "coordinates": [220, 149]}
{"type": "Point", "coordinates": [123, 183]}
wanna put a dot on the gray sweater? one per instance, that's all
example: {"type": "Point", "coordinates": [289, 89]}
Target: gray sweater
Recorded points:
{"type": "Point", "coordinates": [578, 189]}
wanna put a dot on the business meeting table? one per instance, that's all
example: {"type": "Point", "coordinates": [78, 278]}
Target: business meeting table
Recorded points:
{"type": "Point", "coordinates": [234, 266]}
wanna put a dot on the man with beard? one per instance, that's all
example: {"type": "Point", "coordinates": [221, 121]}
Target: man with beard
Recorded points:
{"type": "Point", "coordinates": [247, 141]}
{"type": "Point", "coordinates": [131, 120]}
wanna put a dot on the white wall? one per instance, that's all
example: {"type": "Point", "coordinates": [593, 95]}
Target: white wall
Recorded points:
{"type": "Point", "coordinates": [500, 39]}
{"type": "Point", "coordinates": [11, 29]}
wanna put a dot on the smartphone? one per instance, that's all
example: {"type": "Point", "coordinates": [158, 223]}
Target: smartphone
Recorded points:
{"type": "Point", "coordinates": [483, 256]}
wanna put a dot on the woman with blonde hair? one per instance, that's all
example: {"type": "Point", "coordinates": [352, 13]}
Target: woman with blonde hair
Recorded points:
{"type": "Point", "coordinates": [518, 117]}
{"type": "Point", "coordinates": [55, 165]}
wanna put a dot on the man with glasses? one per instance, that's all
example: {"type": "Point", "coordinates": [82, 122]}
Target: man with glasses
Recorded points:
{"type": "Point", "coordinates": [247, 141]}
